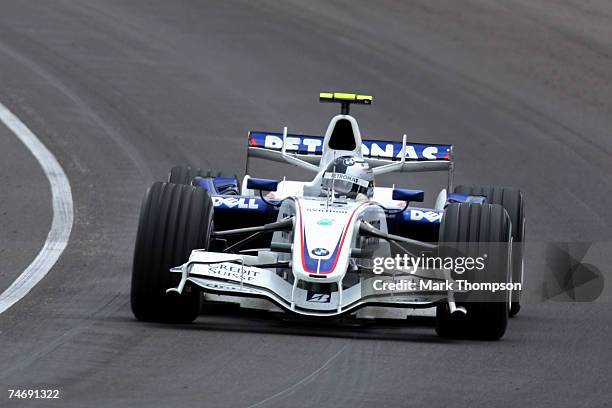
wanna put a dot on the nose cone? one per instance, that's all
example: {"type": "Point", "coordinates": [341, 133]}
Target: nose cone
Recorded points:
{"type": "Point", "coordinates": [322, 241]}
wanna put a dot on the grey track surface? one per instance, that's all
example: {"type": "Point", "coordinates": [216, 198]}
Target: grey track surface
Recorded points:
{"type": "Point", "coordinates": [25, 207]}
{"type": "Point", "coordinates": [121, 91]}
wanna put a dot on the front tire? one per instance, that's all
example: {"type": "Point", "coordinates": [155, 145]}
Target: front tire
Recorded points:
{"type": "Point", "coordinates": [174, 220]}
{"type": "Point", "coordinates": [476, 231]}
{"type": "Point", "coordinates": [514, 203]}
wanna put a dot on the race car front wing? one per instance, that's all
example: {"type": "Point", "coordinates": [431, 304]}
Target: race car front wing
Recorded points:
{"type": "Point", "coordinates": [232, 275]}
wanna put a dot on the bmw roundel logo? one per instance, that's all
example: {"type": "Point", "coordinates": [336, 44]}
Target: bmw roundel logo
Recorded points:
{"type": "Point", "coordinates": [320, 252]}
{"type": "Point", "coordinates": [349, 162]}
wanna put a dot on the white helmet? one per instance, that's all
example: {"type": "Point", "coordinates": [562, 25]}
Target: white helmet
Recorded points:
{"type": "Point", "coordinates": [348, 176]}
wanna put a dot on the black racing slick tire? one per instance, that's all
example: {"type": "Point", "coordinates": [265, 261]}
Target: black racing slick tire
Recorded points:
{"type": "Point", "coordinates": [174, 220]}
{"type": "Point", "coordinates": [184, 174]}
{"type": "Point", "coordinates": [477, 231]}
{"type": "Point", "coordinates": [514, 203]}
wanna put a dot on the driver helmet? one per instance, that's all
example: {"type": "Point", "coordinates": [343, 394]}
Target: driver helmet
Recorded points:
{"type": "Point", "coordinates": [349, 177]}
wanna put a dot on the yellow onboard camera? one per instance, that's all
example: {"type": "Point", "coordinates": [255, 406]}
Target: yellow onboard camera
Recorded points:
{"type": "Point", "coordinates": [345, 99]}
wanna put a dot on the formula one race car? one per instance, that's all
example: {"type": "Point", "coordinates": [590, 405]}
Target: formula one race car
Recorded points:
{"type": "Point", "coordinates": [334, 245]}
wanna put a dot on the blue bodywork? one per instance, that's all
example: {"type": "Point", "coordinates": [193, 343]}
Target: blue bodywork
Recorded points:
{"type": "Point", "coordinates": [235, 211]}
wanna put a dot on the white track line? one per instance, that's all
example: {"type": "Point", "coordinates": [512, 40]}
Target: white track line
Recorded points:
{"type": "Point", "coordinates": [63, 213]}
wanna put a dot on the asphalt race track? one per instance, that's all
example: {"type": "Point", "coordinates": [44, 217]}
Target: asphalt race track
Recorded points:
{"type": "Point", "coordinates": [122, 91]}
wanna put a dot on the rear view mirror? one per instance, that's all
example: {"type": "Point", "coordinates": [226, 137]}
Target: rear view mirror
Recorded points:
{"type": "Point", "coordinates": [403, 194]}
{"type": "Point", "coordinates": [262, 184]}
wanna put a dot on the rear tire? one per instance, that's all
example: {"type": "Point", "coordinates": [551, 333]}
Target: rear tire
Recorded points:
{"type": "Point", "coordinates": [513, 202]}
{"type": "Point", "coordinates": [184, 174]}
{"type": "Point", "coordinates": [174, 220]}
{"type": "Point", "coordinates": [473, 230]}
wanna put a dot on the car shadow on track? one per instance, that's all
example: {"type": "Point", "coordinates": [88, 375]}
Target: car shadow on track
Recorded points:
{"type": "Point", "coordinates": [228, 318]}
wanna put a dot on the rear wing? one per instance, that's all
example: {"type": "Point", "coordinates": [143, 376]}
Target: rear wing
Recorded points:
{"type": "Point", "coordinates": [418, 156]}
